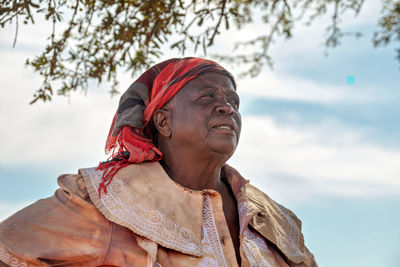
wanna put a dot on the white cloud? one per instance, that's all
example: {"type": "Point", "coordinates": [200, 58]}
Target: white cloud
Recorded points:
{"type": "Point", "coordinates": [306, 48]}
{"type": "Point", "coordinates": [295, 162]}
{"type": "Point", "coordinates": [65, 130]}
{"type": "Point", "coordinates": [285, 161]}
{"type": "Point", "coordinates": [305, 38]}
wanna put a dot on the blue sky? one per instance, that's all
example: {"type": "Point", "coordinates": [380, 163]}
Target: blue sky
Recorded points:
{"type": "Point", "coordinates": [326, 149]}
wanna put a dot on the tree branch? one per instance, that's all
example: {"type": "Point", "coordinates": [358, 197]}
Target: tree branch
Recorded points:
{"type": "Point", "coordinates": [211, 40]}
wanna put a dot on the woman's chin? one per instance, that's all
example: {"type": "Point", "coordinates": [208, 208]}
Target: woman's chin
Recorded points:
{"type": "Point", "coordinates": [224, 150]}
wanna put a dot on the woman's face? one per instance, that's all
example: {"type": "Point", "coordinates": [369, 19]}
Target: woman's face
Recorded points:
{"type": "Point", "coordinates": [205, 115]}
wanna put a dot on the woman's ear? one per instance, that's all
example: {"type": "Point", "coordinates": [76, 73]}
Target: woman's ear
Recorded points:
{"type": "Point", "coordinates": [162, 123]}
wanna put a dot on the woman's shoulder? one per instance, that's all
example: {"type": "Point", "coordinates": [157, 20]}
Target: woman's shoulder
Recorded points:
{"type": "Point", "coordinates": [54, 230]}
{"type": "Point", "coordinates": [280, 226]}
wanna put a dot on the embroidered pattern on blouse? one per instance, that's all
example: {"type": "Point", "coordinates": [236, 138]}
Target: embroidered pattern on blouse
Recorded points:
{"type": "Point", "coordinates": [210, 243]}
{"type": "Point", "coordinates": [254, 246]}
{"type": "Point", "coordinates": [245, 209]}
{"type": "Point", "coordinates": [257, 251]}
{"type": "Point", "coordinates": [207, 262]}
{"type": "Point", "coordinates": [260, 242]}
{"type": "Point", "coordinates": [146, 222]}
{"type": "Point", "coordinates": [9, 259]}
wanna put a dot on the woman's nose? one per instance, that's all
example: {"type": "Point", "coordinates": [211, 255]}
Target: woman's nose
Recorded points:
{"type": "Point", "coordinates": [224, 107]}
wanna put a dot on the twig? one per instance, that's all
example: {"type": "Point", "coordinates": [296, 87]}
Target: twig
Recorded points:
{"type": "Point", "coordinates": [16, 32]}
{"type": "Point", "coordinates": [211, 40]}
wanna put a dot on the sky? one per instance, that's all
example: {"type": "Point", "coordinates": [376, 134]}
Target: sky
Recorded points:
{"type": "Point", "coordinates": [320, 135]}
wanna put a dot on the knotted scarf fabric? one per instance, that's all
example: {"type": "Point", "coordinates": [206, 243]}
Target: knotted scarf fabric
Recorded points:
{"type": "Point", "coordinates": [130, 139]}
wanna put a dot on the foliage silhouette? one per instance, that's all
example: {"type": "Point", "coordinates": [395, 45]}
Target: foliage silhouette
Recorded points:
{"type": "Point", "coordinates": [103, 37]}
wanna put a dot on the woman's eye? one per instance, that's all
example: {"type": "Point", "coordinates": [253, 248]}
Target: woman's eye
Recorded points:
{"type": "Point", "coordinates": [209, 95]}
{"type": "Point", "coordinates": [234, 103]}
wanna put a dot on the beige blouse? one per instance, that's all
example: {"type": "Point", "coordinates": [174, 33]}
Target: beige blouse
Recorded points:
{"type": "Point", "coordinates": [146, 219]}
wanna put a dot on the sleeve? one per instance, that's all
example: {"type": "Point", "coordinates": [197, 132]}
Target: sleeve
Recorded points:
{"type": "Point", "coordinates": [65, 229]}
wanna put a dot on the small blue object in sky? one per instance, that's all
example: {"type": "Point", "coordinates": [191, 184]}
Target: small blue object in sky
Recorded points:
{"type": "Point", "coordinates": [350, 79]}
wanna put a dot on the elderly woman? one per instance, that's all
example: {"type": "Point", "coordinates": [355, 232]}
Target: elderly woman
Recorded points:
{"type": "Point", "coordinates": [166, 196]}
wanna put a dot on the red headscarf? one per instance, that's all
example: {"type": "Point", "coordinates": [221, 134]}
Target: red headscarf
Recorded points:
{"type": "Point", "coordinates": [127, 138]}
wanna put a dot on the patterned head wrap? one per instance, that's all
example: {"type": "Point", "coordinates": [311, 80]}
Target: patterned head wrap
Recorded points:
{"type": "Point", "coordinates": [130, 140]}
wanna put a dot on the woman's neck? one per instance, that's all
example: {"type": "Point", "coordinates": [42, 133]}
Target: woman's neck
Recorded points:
{"type": "Point", "coordinates": [192, 172]}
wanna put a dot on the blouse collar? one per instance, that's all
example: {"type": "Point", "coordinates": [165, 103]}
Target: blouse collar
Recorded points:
{"type": "Point", "coordinates": [143, 198]}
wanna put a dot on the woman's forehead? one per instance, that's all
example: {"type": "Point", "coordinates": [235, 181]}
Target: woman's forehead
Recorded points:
{"type": "Point", "coordinates": [210, 80]}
